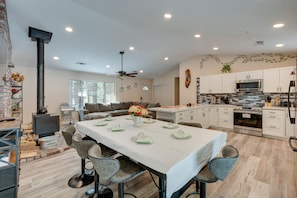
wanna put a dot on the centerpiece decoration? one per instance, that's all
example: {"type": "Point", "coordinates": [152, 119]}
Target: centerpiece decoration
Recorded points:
{"type": "Point", "coordinates": [137, 111]}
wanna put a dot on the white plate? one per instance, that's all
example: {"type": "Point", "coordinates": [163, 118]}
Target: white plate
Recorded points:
{"type": "Point", "coordinates": [142, 139]}
{"type": "Point", "coordinates": [117, 129]}
{"type": "Point", "coordinates": [108, 119]}
{"type": "Point", "coordinates": [148, 121]}
{"type": "Point", "coordinates": [181, 135]}
{"type": "Point", "coordinates": [101, 124]}
{"type": "Point", "coordinates": [170, 126]}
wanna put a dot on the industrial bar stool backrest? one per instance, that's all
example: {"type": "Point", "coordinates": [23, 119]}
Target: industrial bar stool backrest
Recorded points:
{"type": "Point", "coordinates": [116, 170]}
{"type": "Point", "coordinates": [67, 133]}
{"type": "Point", "coordinates": [82, 146]}
{"type": "Point", "coordinates": [218, 168]}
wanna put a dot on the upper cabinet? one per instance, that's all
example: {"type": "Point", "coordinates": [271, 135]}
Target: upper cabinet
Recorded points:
{"type": "Point", "coordinates": [277, 80]}
{"type": "Point", "coordinates": [248, 75]}
{"type": "Point", "coordinates": [228, 83]}
{"type": "Point", "coordinates": [211, 84]}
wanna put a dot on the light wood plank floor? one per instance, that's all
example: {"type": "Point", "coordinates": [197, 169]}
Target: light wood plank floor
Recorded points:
{"type": "Point", "coordinates": [267, 168]}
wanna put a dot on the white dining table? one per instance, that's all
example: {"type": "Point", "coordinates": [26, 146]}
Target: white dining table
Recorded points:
{"type": "Point", "coordinates": [175, 161]}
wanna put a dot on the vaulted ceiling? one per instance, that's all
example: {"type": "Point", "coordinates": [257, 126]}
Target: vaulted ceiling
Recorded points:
{"type": "Point", "coordinates": [103, 28]}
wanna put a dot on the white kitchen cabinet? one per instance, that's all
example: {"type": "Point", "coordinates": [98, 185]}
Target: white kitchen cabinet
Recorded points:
{"type": "Point", "coordinates": [226, 117]}
{"type": "Point", "coordinates": [286, 74]}
{"type": "Point", "coordinates": [213, 117]}
{"type": "Point", "coordinates": [211, 84]}
{"type": "Point", "coordinates": [249, 75]}
{"type": "Point", "coordinates": [290, 128]}
{"type": "Point", "coordinates": [177, 114]}
{"type": "Point", "coordinates": [191, 115]}
{"type": "Point", "coordinates": [274, 123]}
{"type": "Point", "coordinates": [228, 83]}
{"type": "Point", "coordinates": [271, 80]}
{"type": "Point", "coordinates": [181, 116]}
{"type": "Point", "coordinates": [277, 80]}
{"type": "Point", "coordinates": [203, 115]}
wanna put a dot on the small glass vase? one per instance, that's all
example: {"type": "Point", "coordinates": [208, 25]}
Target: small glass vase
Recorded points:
{"type": "Point", "coordinates": [136, 121]}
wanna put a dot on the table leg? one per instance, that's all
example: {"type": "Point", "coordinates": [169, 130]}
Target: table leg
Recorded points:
{"type": "Point", "coordinates": [162, 190]}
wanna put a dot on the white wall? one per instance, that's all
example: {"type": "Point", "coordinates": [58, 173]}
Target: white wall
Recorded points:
{"type": "Point", "coordinates": [205, 65]}
{"type": "Point", "coordinates": [163, 87]}
{"type": "Point", "coordinates": [57, 90]}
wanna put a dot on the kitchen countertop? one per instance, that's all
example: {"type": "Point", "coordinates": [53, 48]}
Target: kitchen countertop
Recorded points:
{"type": "Point", "coordinates": [178, 108]}
{"type": "Point", "coordinates": [277, 108]}
{"type": "Point", "coordinates": [175, 108]}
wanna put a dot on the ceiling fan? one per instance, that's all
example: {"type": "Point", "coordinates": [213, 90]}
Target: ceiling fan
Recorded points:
{"type": "Point", "coordinates": [124, 73]}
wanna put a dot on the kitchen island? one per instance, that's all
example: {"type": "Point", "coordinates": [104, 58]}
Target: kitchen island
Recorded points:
{"type": "Point", "coordinates": [181, 113]}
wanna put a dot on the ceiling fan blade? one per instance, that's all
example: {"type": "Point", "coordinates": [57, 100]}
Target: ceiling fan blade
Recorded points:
{"type": "Point", "coordinates": [132, 74]}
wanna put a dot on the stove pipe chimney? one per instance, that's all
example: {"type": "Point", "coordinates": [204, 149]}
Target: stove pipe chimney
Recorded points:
{"type": "Point", "coordinates": [40, 37]}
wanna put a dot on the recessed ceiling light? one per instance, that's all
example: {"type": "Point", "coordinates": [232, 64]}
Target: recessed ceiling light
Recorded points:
{"type": "Point", "coordinates": [56, 58]}
{"type": "Point", "coordinates": [166, 58]}
{"type": "Point", "coordinates": [131, 48]}
{"type": "Point", "coordinates": [278, 25]}
{"type": "Point", "coordinates": [108, 66]}
{"type": "Point", "coordinates": [141, 71]}
{"type": "Point", "coordinates": [68, 29]}
{"type": "Point", "coordinates": [279, 45]}
{"type": "Point", "coordinates": [215, 48]}
{"type": "Point", "coordinates": [167, 16]}
{"type": "Point", "coordinates": [197, 35]}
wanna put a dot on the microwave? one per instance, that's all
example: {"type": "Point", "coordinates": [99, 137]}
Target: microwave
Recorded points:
{"type": "Point", "coordinates": [252, 85]}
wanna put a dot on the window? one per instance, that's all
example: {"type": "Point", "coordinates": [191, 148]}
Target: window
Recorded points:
{"type": "Point", "coordinates": [81, 92]}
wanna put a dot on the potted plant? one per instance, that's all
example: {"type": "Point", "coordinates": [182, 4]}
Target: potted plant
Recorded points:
{"type": "Point", "coordinates": [226, 68]}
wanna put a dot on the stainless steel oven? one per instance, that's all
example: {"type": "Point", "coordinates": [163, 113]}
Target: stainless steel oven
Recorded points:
{"type": "Point", "coordinates": [248, 121]}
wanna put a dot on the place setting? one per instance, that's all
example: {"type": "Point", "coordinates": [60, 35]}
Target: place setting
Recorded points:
{"type": "Point", "coordinates": [180, 134]}
{"type": "Point", "coordinates": [141, 138]}
{"type": "Point", "coordinates": [116, 128]}
{"type": "Point", "coordinates": [101, 123]}
{"type": "Point", "coordinates": [170, 126]}
{"type": "Point", "coordinates": [148, 121]}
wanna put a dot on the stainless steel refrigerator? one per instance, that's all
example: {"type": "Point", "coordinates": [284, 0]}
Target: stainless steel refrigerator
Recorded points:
{"type": "Point", "coordinates": [292, 109]}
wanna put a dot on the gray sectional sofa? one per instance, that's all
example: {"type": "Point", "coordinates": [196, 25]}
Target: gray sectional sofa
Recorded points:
{"type": "Point", "coordinates": [98, 110]}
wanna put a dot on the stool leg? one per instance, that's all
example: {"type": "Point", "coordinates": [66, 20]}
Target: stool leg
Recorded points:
{"type": "Point", "coordinates": [202, 190]}
{"type": "Point", "coordinates": [121, 190]}
{"type": "Point", "coordinates": [83, 166]}
{"type": "Point", "coordinates": [96, 183]}
{"type": "Point", "coordinates": [197, 186]}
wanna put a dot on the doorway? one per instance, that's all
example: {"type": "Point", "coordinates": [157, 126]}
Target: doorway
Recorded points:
{"type": "Point", "coordinates": [176, 91]}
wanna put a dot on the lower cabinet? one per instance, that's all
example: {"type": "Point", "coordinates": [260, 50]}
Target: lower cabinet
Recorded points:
{"type": "Point", "coordinates": [226, 117]}
{"type": "Point", "coordinates": [213, 117]}
{"type": "Point", "coordinates": [290, 128]}
{"type": "Point", "coordinates": [203, 117]}
{"type": "Point", "coordinates": [274, 123]}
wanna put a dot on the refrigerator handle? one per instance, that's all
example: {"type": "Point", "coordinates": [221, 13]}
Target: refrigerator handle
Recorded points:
{"type": "Point", "coordinates": [292, 120]}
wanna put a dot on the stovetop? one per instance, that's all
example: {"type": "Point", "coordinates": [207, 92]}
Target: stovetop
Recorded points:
{"type": "Point", "coordinates": [251, 108]}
